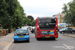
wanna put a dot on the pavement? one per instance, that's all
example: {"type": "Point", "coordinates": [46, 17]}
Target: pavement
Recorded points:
{"type": "Point", "coordinates": [6, 41]}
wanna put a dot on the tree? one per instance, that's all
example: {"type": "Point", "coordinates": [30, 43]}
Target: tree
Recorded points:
{"type": "Point", "coordinates": [3, 13]}
{"type": "Point", "coordinates": [65, 8]}
{"type": "Point", "coordinates": [72, 11]}
{"type": "Point", "coordinates": [69, 9]}
{"type": "Point", "coordinates": [33, 22]}
{"type": "Point", "coordinates": [16, 13]}
{"type": "Point", "coordinates": [27, 21]}
{"type": "Point", "coordinates": [19, 15]}
{"type": "Point", "coordinates": [13, 9]}
{"type": "Point", "coordinates": [67, 16]}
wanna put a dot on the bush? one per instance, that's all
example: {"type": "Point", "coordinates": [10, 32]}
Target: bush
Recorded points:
{"type": "Point", "coordinates": [14, 29]}
{"type": "Point", "coordinates": [1, 27]}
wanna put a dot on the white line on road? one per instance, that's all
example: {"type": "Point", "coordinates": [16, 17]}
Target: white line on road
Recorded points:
{"type": "Point", "coordinates": [66, 46]}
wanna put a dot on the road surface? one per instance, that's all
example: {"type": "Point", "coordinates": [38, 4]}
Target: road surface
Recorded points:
{"type": "Point", "coordinates": [61, 43]}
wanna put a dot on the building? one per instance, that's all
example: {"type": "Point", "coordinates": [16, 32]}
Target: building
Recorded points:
{"type": "Point", "coordinates": [60, 17]}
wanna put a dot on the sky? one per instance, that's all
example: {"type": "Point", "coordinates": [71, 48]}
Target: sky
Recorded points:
{"type": "Point", "coordinates": [42, 8]}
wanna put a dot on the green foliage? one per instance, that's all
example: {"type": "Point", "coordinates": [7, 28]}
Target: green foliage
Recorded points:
{"type": "Point", "coordinates": [3, 12]}
{"type": "Point", "coordinates": [65, 8]}
{"type": "Point", "coordinates": [27, 20]}
{"type": "Point", "coordinates": [33, 23]}
{"type": "Point", "coordinates": [72, 10]}
{"type": "Point", "coordinates": [69, 9]}
{"type": "Point", "coordinates": [1, 27]}
{"type": "Point", "coordinates": [12, 14]}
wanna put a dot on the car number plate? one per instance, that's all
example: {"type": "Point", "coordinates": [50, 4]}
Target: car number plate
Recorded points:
{"type": "Point", "coordinates": [21, 36]}
{"type": "Point", "coordinates": [47, 36]}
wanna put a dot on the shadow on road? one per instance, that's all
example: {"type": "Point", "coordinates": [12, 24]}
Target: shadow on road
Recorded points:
{"type": "Point", "coordinates": [21, 42]}
{"type": "Point", "coordinates": [49, 39]}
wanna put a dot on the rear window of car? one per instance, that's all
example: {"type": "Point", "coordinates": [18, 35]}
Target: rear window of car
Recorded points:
{"type": "Point", "coordinates": [21, 32]}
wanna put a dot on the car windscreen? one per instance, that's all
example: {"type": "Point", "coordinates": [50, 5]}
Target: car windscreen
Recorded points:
{"type": "Point", "coordinates": [47, 23]}
{"type": "Point", "coordinates": [21, 32]}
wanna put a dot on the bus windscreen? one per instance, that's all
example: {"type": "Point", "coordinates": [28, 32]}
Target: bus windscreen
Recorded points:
{"type": "Point", "coordinates": [47, 23]}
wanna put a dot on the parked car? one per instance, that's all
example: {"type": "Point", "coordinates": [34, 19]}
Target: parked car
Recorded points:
{"type": "Point", "coordinates": [67, 30]}
{"type": "Point", "coordinates": [62, 29]}
{"type": "Point", "coordinates": [33, 29]}
{"type": "Point", "coordinates": [59, 29]}
{"type": "Point", "coordinates": [21, 35]}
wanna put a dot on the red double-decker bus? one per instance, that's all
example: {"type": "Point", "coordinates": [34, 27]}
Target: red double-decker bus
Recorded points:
{"type": "Point", "coordinates": [46, 27]}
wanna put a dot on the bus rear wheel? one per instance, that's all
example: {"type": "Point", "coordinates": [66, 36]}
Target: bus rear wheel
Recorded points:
{"type": "Point", "coordinates": [38, 38]}
{"type": "Point", "coordinates": [54, 38]}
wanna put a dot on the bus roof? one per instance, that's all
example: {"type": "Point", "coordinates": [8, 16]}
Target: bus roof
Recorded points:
{"type": "Point", "coordinates": [47, 17]}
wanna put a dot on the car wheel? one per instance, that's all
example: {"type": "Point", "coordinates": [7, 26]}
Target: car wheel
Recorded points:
{"type": "Point", "coordinates": [37, 38]}
{"type": "Point", "coordinates": [32, 31]}
{"type": "Point", "coordinates": [62, 32]}
{"type": "Point", "coordinates": [15, 41]}
{"type": "Point", "coordinates": [72, 32]}
{"type": "Point", "coordinates": [28, 40]}
{"type": "Point", "coordinates": [54, 38]}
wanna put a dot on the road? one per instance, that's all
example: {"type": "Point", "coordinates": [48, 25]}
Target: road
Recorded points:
{"type": "Point", "coordinates": [61, 43]}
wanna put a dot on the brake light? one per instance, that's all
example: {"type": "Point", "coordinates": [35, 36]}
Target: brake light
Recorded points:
{"type": "Point", "coordinates": [27, 34]}
{"type": "Point", "coordinates": [21, 29]}
{"type": "Point", "coordinates": [15, 34]}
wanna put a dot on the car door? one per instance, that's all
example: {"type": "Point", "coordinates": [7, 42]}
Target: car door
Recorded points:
{"type": "Point", "coordinates": [66, 30]}
{"type": "Point", "coordinates": [69, 30]}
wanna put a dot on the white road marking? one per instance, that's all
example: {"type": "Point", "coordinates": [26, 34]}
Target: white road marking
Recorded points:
{"type": "Point", "coordinates": [68, 47]}
{"type": "Point", "coordinates": [64, 47]}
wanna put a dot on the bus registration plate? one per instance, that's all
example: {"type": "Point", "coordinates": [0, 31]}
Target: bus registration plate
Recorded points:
{"type": "Point", "coordinates": [47, 36]}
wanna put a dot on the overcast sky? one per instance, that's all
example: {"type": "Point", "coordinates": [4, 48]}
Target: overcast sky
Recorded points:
{"type": "Point", "coordinates": [40, 8]}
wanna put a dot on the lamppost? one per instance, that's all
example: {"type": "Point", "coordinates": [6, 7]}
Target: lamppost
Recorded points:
{"type": "Point", "coordinates": [9, 17]}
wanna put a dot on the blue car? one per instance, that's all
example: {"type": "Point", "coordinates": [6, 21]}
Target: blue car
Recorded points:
{"type": "Point", "coordinates": [21, 35]}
